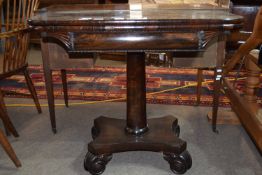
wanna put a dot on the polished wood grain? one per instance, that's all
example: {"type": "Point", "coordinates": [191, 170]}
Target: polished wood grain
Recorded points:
{"type": "Point", "coordinates": [160, 134]}
{"type": "Point", "coordinates": [83, 29]}
{"type": "Point", "coordinates": [122, 14]}
{"type": "Point", "coordinates": [95, 23]}
{"type": "Point", "coordinates": [136, 94]}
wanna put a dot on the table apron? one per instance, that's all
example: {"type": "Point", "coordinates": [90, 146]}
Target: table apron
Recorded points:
{"type": "Point", "coordinates": [135, 42]}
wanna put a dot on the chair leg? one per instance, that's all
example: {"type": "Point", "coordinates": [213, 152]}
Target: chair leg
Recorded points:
{"type": "Point", "coordinates": [6, 120]}
{"type": "Point", "coordinates": [64, 83]}
{"type": "Point", "coordinates": [199, 85]}
{"type": "Point", "coordinates": [32, 90]}
{"type": "Point", "coordinates": [50, 96]}
{"type": "Point", "coordinates": [9, 150]}
{"type": "Point", "coordinates": [4, 110]}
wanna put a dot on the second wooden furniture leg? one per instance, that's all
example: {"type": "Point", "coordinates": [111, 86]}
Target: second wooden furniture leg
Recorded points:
{"type": "Point", "coordinates": [8, 149]}
{"type": "Point", "coordinates": [49, 84]}
{"type": "Point", "coordinates": [4, 116]}
{"type": "Point", "coordinates": [32, 90]}
{"type": "Point", "coordinates": [51, 100]}
{"type": "Point", "coordinates": [218, 78]}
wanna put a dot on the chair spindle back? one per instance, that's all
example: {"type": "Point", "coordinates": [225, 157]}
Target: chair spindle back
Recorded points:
{"type": "Point", "coordinates": [14, 32]}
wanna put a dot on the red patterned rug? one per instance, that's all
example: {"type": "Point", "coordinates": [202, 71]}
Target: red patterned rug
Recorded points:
{"type": "Point", "coordinates": [164, 86]}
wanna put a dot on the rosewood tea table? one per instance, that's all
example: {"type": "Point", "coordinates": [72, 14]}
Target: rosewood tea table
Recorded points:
{"type": "Point", "coordinates": [134, 29]}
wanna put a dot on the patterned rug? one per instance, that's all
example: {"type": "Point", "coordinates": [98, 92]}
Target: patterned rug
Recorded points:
{"type": "Point", "coordinates": [164, 86]}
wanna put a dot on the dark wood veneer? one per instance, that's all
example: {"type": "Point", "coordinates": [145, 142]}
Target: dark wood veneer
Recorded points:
{"type": "Point", "coordinates": [98, 28]}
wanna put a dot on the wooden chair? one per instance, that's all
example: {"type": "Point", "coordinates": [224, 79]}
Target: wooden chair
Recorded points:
{"type": "Point", "coordinates": [14, 38]}
{"type": "Point", "coordinates": [245, 106]}
{"type": "Point", "coordinates": [14, 41]}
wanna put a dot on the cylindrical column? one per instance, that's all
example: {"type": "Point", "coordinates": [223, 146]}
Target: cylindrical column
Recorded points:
{"type": "Point", "coordinates": [136, 94]}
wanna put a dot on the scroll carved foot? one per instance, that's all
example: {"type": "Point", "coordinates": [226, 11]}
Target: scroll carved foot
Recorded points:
{"type": "Point", "coordinates": [96, 164]}
{"type": "Point", "coordinates": [179, 164]}
{"type": "Point", "coordinates": [176, 128]}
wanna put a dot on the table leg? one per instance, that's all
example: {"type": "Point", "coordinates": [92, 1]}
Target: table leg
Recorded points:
{"type": "Point", "coordinates": [49, 84]}
{"type": "Point", "coordinates": [136, 133]}
{"type": "Point", "coordinates": [217, 78]}
{"type": "Point", "coordinates": [216, 95]}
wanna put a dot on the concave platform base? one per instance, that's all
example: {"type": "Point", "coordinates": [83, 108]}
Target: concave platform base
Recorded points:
{"type": "Point", "coordinates": [110, 137]}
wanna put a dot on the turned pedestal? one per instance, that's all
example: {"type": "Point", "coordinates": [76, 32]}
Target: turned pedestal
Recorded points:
{"type": "Point", "coordinates": [136, 133]}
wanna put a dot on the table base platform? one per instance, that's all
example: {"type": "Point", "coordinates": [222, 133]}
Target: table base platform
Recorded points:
{"type": "Point", "coordinates": [110, 136]}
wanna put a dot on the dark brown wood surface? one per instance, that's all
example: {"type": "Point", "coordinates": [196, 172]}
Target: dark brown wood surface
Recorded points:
{"type": "Point", "coordinates": [80, 29]}
{"type": "Point", "coordinates": [128, 14]}
{"type": "Point", "coordinates": [84, 26]}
